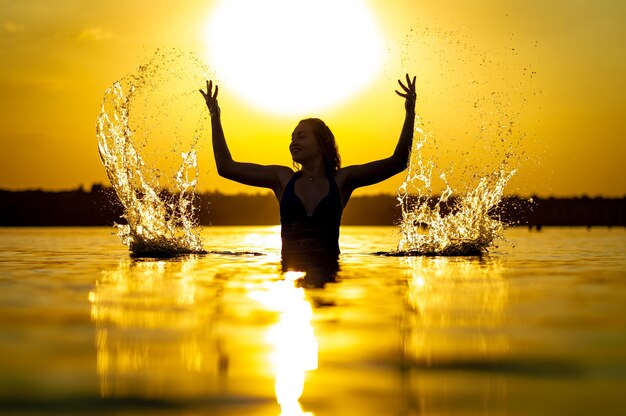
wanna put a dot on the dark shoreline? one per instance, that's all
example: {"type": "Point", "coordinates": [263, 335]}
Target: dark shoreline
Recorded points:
{"type": "Point", "coordinates": [100, 207]}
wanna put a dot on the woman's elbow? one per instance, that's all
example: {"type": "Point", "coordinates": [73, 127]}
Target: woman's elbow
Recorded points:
{"type": "Point", "coordinates": [224, 173]}
{"type": "Point", "coordinates": [400, 164]}
{"type": "Point", "coordinates": [224, 170]}
{"type": "Point", "coordinates": [399, 169]}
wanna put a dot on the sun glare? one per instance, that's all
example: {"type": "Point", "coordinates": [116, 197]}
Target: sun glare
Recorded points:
{"type": "Point", "coordinates": [294, 56]}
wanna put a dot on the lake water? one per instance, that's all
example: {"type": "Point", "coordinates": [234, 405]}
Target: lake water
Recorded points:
{"type": "Point", "coordinates": [536, 327]}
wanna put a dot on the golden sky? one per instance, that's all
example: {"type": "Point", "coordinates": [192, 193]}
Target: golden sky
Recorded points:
{"type": "Point", "coordinates": [553, 68]}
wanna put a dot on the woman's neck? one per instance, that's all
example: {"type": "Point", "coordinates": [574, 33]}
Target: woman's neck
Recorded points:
{"type": "Point", "coordinates": [313, 169]}
{"type": "Point", "coordinates": [313, 172]}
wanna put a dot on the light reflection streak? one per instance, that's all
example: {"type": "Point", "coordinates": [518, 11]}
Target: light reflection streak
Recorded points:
{"type": "Point", "coordinates": [292, 337]}
{"type": "Point", "coordinates": [453, 319]}
{"type": "Point", "coordinates": [263, 240]}
{"type": "Point", "coordinates": [456, 308]}
{"type": "Point", "coordinates": [155, 332]}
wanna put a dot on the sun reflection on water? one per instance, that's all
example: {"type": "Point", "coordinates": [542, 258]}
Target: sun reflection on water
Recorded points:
{"type": "Point", "coordinates": [455, 309]}
{"type": "Point", "coordinates": [155, 332]}
{"type": "Point", "coordinates": [454, 322]}
{"type": "Point", "coordinates": [163, 331]}
{"type": "Point", "coordinates": [292, 337]}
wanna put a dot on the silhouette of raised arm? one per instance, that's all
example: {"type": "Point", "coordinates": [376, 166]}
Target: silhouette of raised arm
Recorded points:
{"type": "Point", "coordinates": [379, 170]}
{"type": "Point", "coordinates": [271, 176]}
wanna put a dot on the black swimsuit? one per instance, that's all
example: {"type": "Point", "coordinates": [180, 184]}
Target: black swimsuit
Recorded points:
{"type": "Point", "coordinates": [316, 235]}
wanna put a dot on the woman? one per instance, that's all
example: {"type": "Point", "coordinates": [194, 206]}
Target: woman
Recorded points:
{"type": "Point", "coordinates": [313, 197]}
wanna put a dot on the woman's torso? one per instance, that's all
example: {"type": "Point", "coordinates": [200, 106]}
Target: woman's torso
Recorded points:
{"type": "Point", "coordinates": [315, 230]}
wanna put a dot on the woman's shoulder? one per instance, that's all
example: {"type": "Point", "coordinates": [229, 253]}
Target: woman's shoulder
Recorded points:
{"type": "Point", "coordinates": [342, 175]}
{"type": "Point", "coordinates": [283, 173]}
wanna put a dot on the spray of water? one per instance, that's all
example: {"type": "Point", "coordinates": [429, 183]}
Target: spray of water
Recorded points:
{"type": "Point", "coordinates": [470, 149]}
{"type": "Point", "coordinates": [143, 115]}
{"type": "Point", "coordinates": [448, 225]}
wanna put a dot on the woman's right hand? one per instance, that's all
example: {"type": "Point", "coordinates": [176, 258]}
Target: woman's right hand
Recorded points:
{"type": "Point", "coordinates": [210, 97]}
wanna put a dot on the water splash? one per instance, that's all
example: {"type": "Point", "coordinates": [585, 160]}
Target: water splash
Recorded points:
{"type": "Point", "coordinates": [476, 140]}
{"type": "Point", "coordinates": [449, 225]}
{"type": "Point", "coordinates": [141, 115]}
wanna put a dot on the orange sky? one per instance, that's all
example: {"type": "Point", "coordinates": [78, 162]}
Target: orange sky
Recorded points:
{"type": "Point", "coordinates": [554, 68]}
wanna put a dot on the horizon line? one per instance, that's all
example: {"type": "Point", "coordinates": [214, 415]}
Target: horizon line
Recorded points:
{"type": "Point", "coordinates": [97, 185]}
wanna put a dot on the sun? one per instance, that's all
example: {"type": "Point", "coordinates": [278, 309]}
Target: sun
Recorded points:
{"type": "Point", "coordinates": [294, 56]}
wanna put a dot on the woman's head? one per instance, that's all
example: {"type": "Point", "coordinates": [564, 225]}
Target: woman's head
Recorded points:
{"type": "Point", "coordinates": [325, 141]}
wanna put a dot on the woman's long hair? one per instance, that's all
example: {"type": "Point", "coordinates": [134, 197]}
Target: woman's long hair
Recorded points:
{"type": "Point", "coordinates": [328, 145]}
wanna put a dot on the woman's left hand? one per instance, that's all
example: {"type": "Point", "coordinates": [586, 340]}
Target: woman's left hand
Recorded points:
{"type": "Point", "coordinates": [408, 94]}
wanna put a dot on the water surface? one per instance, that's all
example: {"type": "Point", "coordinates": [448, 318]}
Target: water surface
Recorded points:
{"type": "Point", "coordinates": [538, 326]}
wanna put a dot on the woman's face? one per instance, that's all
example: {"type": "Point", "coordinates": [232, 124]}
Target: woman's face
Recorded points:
{"type": "Point", "coordinates": [303, 146]}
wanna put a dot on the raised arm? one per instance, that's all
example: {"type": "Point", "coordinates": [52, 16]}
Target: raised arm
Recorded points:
{"type": "Point", "coordinates": [247, 173]}
{"type": "Point", "coordinates": [373, 172]}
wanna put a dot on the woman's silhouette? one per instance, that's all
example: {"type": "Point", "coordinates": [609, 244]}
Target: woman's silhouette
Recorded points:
{"type": "Point", "coordinates": [312, 197]}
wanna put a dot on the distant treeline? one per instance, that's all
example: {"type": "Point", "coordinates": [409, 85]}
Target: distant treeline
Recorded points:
{"type": "Point", "coordinates": [100, 206]}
